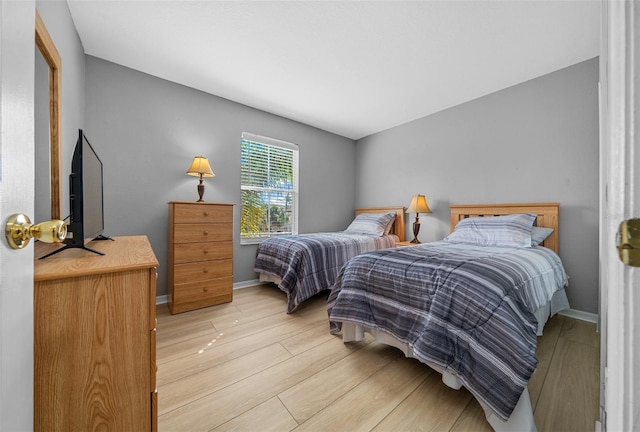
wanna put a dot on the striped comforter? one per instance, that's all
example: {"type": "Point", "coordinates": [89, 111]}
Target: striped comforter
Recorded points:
{"type": "Point", "coordinates": [309, 263]}
{"type": "Point", "coordinates": [467, 309]}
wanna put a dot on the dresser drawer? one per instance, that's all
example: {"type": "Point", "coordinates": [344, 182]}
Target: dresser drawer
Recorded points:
{"type": "Point", "coordinates": [200, 294]}
{"type": "Point", "coordinates": [196, 213]}
{"type": "Point", "coordinates": [201, 271]}
{"type": "Point", "coordinates": [188, 252]}
{"type": "Point", "coordinates": [190, 233]}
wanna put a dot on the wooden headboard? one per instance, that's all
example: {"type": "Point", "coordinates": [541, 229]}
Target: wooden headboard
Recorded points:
{"type": "Point", "coordinates": [547, 216]}
{"type": "Point", "coordinates": [398, 225]}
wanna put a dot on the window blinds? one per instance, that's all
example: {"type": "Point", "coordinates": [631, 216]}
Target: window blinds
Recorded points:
{"type": "Point", "coordinates": [269, 186]}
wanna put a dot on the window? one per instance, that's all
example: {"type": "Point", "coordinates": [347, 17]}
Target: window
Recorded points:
{"type": "Point", "coordinates": [269, 188]}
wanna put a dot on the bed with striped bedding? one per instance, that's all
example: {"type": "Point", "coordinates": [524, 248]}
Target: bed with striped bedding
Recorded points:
{"type": "Point", "coordinates": [307, 264]}
{"type": "Point", "coordinates": [304, 265]}
{"type": "Point", "coordinates": [471, 312]}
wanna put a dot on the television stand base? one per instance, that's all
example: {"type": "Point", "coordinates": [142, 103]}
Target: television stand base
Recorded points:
{"type": "Point", "coordinates": [103, 237]}
{"type": "Point", "coordinates": [73, 247]}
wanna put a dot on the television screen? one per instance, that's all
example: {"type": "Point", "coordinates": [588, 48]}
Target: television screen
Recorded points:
{"type": "Point", "coordinates": [85, 198]}
{"type": "Point", "coordinates": [92, 209]}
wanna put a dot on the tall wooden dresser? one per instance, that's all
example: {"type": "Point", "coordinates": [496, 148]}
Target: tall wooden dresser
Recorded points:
{"type": "Point", "coordinates": [200, 255]}
{"type": "Point", "coordinates": [95, 337]}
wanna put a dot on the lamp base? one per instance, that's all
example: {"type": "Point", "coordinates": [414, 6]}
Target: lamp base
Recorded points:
{"type": "Point", "coordinates": [200, 191]}
{"type": "Point", "coordinates": [416, 230]}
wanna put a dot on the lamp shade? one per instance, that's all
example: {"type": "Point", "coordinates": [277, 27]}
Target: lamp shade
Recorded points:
{"type": "Point", "coordinates": [200, 167]}
{"type": "Point", "coordinates": [418, 205]}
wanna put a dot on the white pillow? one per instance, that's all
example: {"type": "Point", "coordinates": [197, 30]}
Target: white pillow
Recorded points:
{"type": "Point", "coordinates": [370, 223]}
{"type": "Point", "coordinates": [506, 231]}
{"type": "Point", "coordinates": [539, 234]}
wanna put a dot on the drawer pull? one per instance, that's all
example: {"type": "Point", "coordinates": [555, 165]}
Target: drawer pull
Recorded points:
{"type": "Point", "coordinates": [206, 251]}
{"type": "Point", "coordinates": [206, 232]}
{"type": "Point", "coordinates": [205, 289]}
{"type": "Point", "coordinates": [205, 270]}
{"type": "Point", "coordinates": [206, 213]}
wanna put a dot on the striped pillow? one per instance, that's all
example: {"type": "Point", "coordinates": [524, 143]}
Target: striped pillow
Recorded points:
{"type": "Point", "coordinates": [506, 231]}
{"type": "Point", "coordinates": [370, 223]}
{"type": "Point", "coordinates": [539, 234]}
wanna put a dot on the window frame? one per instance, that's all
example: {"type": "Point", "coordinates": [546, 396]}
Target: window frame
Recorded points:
{"type": "Point", "coordinates": [272, 142]}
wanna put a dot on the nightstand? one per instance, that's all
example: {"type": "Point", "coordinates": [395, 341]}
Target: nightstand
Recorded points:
{"type": "Point", "coordinates": [405, 243]}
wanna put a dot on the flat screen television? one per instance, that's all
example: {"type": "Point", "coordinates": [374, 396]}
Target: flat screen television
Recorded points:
{"type": "Point", "coordinates": [86, 221]}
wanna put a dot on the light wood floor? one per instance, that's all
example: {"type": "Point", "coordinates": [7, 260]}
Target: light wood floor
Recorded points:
{"type": "Point", "coordinates": [248, 366]}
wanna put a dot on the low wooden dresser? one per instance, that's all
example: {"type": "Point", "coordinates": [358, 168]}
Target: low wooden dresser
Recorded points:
{"type": "Point", "coordinates": [200, 255]}
{"type": "Point", "coordinates": [95, 337]}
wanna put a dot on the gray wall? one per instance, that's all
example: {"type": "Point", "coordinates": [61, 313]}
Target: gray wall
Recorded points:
{"type": "Point", "coordinates": [537, 141]}
{"type": "Point", "coordinates": [146, 131]}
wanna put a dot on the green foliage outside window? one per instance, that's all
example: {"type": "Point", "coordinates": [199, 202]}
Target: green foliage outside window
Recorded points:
{"type": "Point", "coordinates": [268, 190]}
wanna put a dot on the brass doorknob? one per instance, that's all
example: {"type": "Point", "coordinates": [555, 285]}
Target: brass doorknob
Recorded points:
{"type": "Point", "coordinates": [628, 240]}
{"type": "Point", "coordinates": [19, 231]}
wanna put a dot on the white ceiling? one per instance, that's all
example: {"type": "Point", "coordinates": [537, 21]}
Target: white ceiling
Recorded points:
{"type": "Point", "coordinates": [349, 67]}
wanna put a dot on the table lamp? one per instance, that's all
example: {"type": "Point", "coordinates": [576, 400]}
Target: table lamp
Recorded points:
{"type": "Point", "coordinates": [200, 168]}
{"type": "Point", "coordinates": [418, 205]}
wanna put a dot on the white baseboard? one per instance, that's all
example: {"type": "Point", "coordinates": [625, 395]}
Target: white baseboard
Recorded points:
{"type": "Point", "coordinates": [584, 316]}
{"type": "Point", "coordinates": [247, 284]}
{"type": "Point", "coordinates": [164, 299]}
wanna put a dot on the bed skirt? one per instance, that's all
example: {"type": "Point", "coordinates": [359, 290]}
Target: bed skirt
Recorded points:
{"type": "Point", "coordinates": [558, 303]}
{"type": "Point", "coordinates": [268, 277]}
